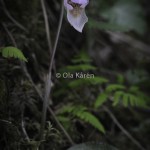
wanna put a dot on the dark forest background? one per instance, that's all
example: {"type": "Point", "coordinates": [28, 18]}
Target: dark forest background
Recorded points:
{"type": "Point", "coordinates": [111, 108]}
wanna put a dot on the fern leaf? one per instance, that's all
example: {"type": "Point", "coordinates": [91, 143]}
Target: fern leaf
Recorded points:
{"type": "Point", "coordinates": [91, 119]}
{"type": "Point", "coordinates": [113, 87]}
{"type": "Point", "coordinates": [87, 81]}
{"type": "Point", "coordinates": [132, 100]}
{"type": "Point", "coordinates": [98, 80]}
{"type": "Point", "coordinates": [134, 89]}
{"type": "Point", "coordinates": [125, 99]}
{"type": "Point", "coordinates": [140, 102]}
{"type": "Point", "coordinates": [66, 109]}
{"type": "Point", "coordinates": [81, 67]}
{"type": "Point", "coordinates": [83, 57]}
{"type": "Point", "coordinates": [117, 97]}
{"type": "Point", "coordinates": [101, 99]}
{"type": "Point", "coordinates": [70, 109]}
{"type": "Point", "coordinates": [129, 99]}
{"type": "Point", "coordinates": [82, 113]}
{"type": "Point", "coordinates": [13, 52]}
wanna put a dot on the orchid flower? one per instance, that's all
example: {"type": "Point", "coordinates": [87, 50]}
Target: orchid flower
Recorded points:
{"type": "Point", "coordinates": [76, 13]}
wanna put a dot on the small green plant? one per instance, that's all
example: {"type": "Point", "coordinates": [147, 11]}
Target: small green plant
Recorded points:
{"type": "Point", "coordinates": [120, 94]}
{"type": "Point", "coordinates": [14, 52]}
{"type": "Point", "coordinates": [82, 113]}
{"type": "Point", "coordinates": [116, 94]}
{"type": "Point", "coordinates": [81, 63]}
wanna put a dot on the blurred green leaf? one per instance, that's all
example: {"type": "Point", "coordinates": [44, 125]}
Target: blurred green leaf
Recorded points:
{"type": "Point", "coordinates": [126, 14]}
{"type": "Point", "coordinates": [125, 99]}
{"type": "Point", "coordinates": [90, 118]}
{"type": "Point", "coordinates": [114, 87]}
{"type": "Point", "coordinates": [117, 97]}
{"type": "Point", "coordinates": [129, 99]}
{"type": "Point", "coordinates": [83, 57]}
{"type": "Point", "coordinates": [82, 113]}
{"type": "Point", "coordinates": [87, 81]}
{"type": "Point", "coordinates": [81, 67]}
{"type": "Point", "coordinates": [102, 98]}
{"type": "Point", "coordinates": [13, 52]}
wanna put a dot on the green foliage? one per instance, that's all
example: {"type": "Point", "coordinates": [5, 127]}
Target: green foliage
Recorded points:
{"type": "Point", "coordinates": [124, 15]}
{"type": "Point", "coordinates": [132, 97]}
{"type": "Point", "coordinates": [81, 63]}
{"type": "Point", "coordinates": [117, 96]}
{"type": "Point", "coordinates": [127, 96]}
{"type": "Point", "coordinates": [92, 146]}
{"type": "Point", "coordinates": [87, 81]}
{"type": "Point", "coordinates": [14, 52]}
{"type": "Point", "coordinates": [120, 68]}
{"type": "Point", "coordinates": [114, 87]}
{"type": "Point", "coordinates": [82, 113]}
{"type": "Point", "coordinates": [101, 99]}
{"type": "Point", "coordinates": [118, 93]}
{"type": "Point", "coordinates": [83, 67]}
{"type": "Point", "coordinates": [137, 76]}
{"type": "Point", "coordinates": [82, 57]}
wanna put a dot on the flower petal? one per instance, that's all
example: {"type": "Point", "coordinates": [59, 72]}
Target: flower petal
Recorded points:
{"type": "Point", "coordinates": [67, 6]}
{"type": "Point", "coordinates": [77, 21]}
{"type": "Point", "coordinates": [82, 2]}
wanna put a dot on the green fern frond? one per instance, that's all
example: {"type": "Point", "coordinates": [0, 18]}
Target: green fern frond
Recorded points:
{"type": "Point", "coordinates": [13, 52]}
{"type": "Point", "coordinates": [87, 81]}
{"type": "Point", "coordinates": [91, 119]}
{"type": "Point", "coordinates": [98, 80]}
{"type": "Point", "coordinates": [101, 99]}
{"type": "Point", "coordinates": [134, 89]}
{"type": "Point", "coordinates": [83, 57]}
{"type": "Point", "coordinates": [82, 113]}
{"type": "Point", "coordinates": [117, 97]}
{"type": "Point", "coordinates": [138, 101]}
{"type": "Point", "coordinates": [70, 108]}
{"type": "Point", "coordinates": [128, 99]}
{"type": "Point", "coordinates": [114, 87]}
{"type": "Point", "coordinates": [81, 67]}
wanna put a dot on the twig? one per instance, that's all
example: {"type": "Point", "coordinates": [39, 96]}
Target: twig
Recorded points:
{"type": "Point", "coordinates": [5, 121]}
{"type": "Point", "coordinates": [48, 82]}
{"type": "Point", "coordinates": [10, 35]}
{"type": "Point", "coordinates": [11, 18]}
{"type": "Point", "coordinates": [117, 37]}
{"type": "Point", "coordinates": [46, 26]}
{"type": "Point", "coordinates": [23, 127]}
{"type": "Point", "coordinates": [123, 129]}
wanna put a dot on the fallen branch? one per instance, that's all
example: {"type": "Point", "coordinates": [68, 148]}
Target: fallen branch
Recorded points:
{"type": "Point", "coordinates": [123, 129]}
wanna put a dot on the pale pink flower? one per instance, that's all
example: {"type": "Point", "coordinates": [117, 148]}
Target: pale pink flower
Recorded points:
{"type": "Point", "coordinates": [76, 13]}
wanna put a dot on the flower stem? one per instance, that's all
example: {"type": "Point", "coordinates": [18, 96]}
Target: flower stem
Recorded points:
{"type": "Point", "coordinates": [46, 26]}
{"type": "Point", "coordinates": [48, 83]}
